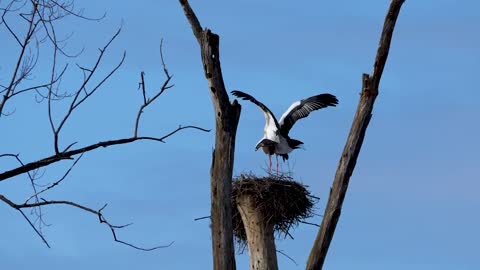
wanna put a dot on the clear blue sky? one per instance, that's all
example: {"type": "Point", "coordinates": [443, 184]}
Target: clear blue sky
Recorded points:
{"type": "Point", "coordinates": [413, 197]}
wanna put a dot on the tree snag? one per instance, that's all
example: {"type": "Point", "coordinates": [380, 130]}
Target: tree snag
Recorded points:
{"type": "Point", "coordinates": [226, 118]}
{"type": "Point", "coordinates": [267, 206]}
{"type": "Point", "coordinates": [261, 241]}
{"type": "Point", "coordinates": [354, 142]}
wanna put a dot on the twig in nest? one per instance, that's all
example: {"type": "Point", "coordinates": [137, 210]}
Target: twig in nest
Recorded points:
{"type": "Point", "coordinates": [313, 224]}
{"type": "Point", "coordinates": [284, 202]}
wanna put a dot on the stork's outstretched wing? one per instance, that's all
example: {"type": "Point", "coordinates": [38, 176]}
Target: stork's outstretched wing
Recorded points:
{"type": "Point", "coordinates": [270, 120]}
{"type": "Point", "coordinates": [303, 108]}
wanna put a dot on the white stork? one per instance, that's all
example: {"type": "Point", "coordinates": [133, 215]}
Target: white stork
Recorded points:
{"type": "Point", "coordinates": [275, 134]}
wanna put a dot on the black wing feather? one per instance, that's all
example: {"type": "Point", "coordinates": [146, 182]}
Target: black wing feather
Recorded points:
{"type": "Point", "coordinates": [305, 107]}
{"type": "Point", "coordinates": [248, 97]}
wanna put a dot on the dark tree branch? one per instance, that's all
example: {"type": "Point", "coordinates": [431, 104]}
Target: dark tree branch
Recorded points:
{"type": "Point", "coordinates": [43, 14]}
{"type": "Point", "coordinates": [98, 213]}
{"type": "Point", "coordinates": [286, 256]}
{"type": "Point", "coordinates": [192, 19]}
{"type": "Point", "coordinates": [6, 10]}
{"type": "Point", "coordinates": [45, 85]}
{"type": "Point", "coordinates": [48, 27]}
{"type": "Point", "coordinates": [309, 223]}
{"type": "Point", "coordinates": [354, 143]}
{"type": "Point", "coordinates": [56, 183]}
{"type": "Point", "coordinates": [226, 117]}
{"type": "Point", "coordinates": [69, 10]}
{"type": "Point", "coordinates": [37, 231]}
{"type": "Point", "coordinates": [148, 101]}
{"type": "Point", "coordinates": [200, 218]}
{"type": "Point", "coordinates": [14, 80]}
{"type": "Point", "coordinates": [77, 100]}
{"type": "Point", "coordinates": [50, 91]}
{"type": "Point", "coordinates": [70, 154]}
{"type": "Point", "coordinates": [40, 27]}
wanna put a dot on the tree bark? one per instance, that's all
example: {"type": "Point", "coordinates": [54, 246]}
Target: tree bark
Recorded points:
{"type": "Point", "coordinates": [226, 118]}
{"type": "Point", "coordinates": [354, 143]}
{"type": "Point", "coordinates": [260, 237]}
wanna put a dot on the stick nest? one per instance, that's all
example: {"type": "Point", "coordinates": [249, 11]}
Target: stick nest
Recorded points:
{"type": "Point", "coordinates": [283, 202]}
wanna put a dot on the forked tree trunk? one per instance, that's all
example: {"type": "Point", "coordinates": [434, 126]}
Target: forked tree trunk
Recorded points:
{"type": "Point", "coordinates": [260, 237]}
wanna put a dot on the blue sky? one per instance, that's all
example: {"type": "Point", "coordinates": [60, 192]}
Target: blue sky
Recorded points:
{"type": "Point", "coordinates": [412, 198]}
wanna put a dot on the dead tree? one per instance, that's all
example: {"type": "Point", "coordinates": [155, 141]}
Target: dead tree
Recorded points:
{"type": "Point", "coordinates": [226, 120]}
{"type": "Point", "coordinates": [354, 142]}
{"type": "Point", "coordinates": [40, 19]}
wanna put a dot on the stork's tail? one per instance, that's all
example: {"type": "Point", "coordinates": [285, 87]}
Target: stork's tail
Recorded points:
{"type": "Point", "coordinates": [294, 144]}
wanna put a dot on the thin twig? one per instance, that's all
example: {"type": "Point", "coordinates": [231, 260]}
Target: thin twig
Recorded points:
{"type": "Point", "coordinates": [288, 257]}
{"type": "Point", "coordinates": [313, 224]}
{"type": "Point", "coordinates": [77, 101]}
{"type": "Point", "coordinates": [28, 36]}
{"type": "Point", "coordinates": [148, 101]}
{"type": "Point", "coordinates": [34, 228]}
{"type": "Point", "coordinates": [200, 218]}
{"type": "Point", "coordinates": [56, 183]}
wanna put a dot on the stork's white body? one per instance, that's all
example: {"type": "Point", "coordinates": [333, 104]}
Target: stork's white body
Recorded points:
{"type": "Point", "coordinates": [271, 132]}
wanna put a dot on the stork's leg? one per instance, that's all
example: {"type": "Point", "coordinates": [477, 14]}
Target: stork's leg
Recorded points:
{"type": "Point", "coordinates": [269, 164]}
{"type": "Point", "coordinates": [277, 164]}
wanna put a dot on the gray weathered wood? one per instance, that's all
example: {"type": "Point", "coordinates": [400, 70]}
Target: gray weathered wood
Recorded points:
{"type": "Point", "coordinates": [260, 237]}
{"type": "Point", "coordinates": [354, 142]}
{"type": "Point", "coordinates": [226, 118]}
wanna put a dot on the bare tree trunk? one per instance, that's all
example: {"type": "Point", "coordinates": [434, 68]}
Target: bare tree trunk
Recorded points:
{"type": "Point", "coordinates": [226, 117]}
{"type": "Point", "coordinates": [261, 241]}
{"type": "Point", "coordinates": [354, 143]}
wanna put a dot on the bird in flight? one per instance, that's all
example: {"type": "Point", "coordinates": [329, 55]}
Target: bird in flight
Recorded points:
{"type": "Point", "coordinates": [275, 134]}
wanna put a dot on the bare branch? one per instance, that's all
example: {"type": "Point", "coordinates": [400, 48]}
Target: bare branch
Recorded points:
{"type": "Point", "coordinates": [286, 256]}
{"type": "Point", "coordinates": [33, 227]}
{"type": "Point", "coordinates": [77, 100]}
{"type": "Point", "coordinates": [45, 85]}
{"type": "Point", "coordinates": [71, 153]}
{"type": "Point", "coordinates": [142, 85]}
{"type": "Point", "coordinates": [48, 27]}
{"type": "Point", "coordinates": [98, 213]}
{"type": "Point", "coordinates": [54, 65]}
{"type": "Point", "coordinates": [354, 143]}
{"type": "Point", "coordinates": [40, 23]}
{"type": "Point", "coordinates": [8, 155]}
{"type": "Point", "coordinates": [200, 218]}
{"type": "Point", "coordinates": [56, 183]}
{"type": "Point", "coordinates": [78, 14]}
{"type": "Point", "coordinates": [148, 101]}
{"type": "Point", "coordinates": [309, 223]}
{"type": "Point", "coordinates": [13, 81]}
{"type": "Point", "coordinates": [7, 9]}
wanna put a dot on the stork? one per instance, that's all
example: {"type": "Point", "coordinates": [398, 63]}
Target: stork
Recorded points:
{"type": "Point", "coordinates": [275, 134]}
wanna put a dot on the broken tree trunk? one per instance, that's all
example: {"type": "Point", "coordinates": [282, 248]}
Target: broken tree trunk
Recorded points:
{"type": "Point", "coordinates": [354, 143]}
{"type": "Point", "coordinates": [261, 241]}
{"type": "Point", "coordinates": [226, 118]}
